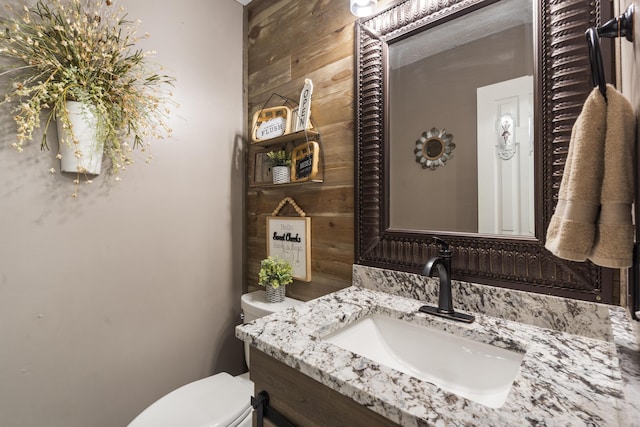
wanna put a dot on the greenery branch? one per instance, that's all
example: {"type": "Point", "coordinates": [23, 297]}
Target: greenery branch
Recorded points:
{"type": "Point", "coordinates": [279, 158]}
{"type": "Point", "coordinates": [275, 272]}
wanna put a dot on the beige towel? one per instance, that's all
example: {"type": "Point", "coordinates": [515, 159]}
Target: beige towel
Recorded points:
{"type": "Point", "coordinates": [613, 246]}
{"type": "Point", "coordinates": [572, 228]}
{"type": "Point", "coordinates": [593, 216]}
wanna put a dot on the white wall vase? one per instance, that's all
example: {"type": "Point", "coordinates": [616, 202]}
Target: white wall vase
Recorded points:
{"type": "Point", "coordinates": [281, 174]}
{"type": "Point", "coordinates": [83, 153]}
{"type": "Point", "coordinates": [276, 294]}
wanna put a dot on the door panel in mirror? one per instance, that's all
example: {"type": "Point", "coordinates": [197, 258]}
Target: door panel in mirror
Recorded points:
{"type": "Point", "coordinates": [506, 202]}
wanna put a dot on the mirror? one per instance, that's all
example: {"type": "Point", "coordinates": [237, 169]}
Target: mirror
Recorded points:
{"type": "Point", "coordinates": [463, 77]}
{"type": "Point", "coordinates": [531, 134]}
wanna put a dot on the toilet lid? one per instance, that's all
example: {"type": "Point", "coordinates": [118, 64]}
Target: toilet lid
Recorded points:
{"type": "Point", "coordinates": [218, 400]}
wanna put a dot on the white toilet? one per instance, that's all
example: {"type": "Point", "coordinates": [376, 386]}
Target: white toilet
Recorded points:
{"type": "Point", "coordinates": [219, 400]}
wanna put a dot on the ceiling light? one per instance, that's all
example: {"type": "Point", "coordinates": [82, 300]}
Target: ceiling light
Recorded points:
{"type": "Point", "coordinates": [363, 7]}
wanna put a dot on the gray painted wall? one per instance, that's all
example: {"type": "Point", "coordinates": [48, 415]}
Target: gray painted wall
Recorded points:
{"type": "Point", "coordinates": [113, 299]}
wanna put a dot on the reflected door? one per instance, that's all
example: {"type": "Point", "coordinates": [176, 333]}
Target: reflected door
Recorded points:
{"type": "Point", "coordinates": [505, 158]}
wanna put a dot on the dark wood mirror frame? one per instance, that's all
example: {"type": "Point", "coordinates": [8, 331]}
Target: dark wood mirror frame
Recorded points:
{"type": "Point", "coordinates": [562, 83]}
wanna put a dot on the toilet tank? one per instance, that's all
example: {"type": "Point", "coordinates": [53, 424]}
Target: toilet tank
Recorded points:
{"type": "Point", "coordinates": [254, 305]}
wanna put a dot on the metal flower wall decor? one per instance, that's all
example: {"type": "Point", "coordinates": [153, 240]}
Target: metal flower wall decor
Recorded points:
{"type": "Point", "coordinates": [434, 148]}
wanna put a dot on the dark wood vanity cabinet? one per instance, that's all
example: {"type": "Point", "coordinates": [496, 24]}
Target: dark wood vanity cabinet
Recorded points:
{"type": "Point", "coordinates": [304, 401]}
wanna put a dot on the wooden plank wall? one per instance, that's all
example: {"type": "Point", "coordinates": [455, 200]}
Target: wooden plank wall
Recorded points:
{"type": "Point", "coordinates": [286, 42]}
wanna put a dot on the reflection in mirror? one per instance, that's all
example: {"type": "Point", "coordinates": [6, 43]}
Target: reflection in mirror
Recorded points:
{"type": "Point", "coordinates": [472, 76]}
{"type": "Point", "coordinates": [434, 148]}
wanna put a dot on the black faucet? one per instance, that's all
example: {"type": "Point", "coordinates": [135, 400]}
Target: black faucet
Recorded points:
{"type": "Point", "coordinates": [445, 303]}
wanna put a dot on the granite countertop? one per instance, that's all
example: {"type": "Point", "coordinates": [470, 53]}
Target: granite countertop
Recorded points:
{"type": "Point", "coordinates": [565, 378]}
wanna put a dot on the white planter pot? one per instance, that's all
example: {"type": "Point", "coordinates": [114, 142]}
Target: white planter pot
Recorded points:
{"type": "Point", "coordinates": [84, 152]}
{"type": "Point", "coordinates": [281, 174]}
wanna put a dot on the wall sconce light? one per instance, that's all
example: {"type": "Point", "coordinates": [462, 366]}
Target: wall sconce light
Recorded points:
{"type": "Point", "coordinates": [362, 8]}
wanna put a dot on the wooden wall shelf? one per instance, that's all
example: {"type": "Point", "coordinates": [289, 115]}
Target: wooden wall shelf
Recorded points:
{"type": "Point", "coordinates": [258, 175]}
{"type": "Point", "coordinates": [310, 134]}
{"type": "Point", "coordinates": [288, 184]}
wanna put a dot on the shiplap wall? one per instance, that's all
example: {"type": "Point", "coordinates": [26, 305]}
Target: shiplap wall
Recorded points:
{"type": "Point", "coordinates": [286, 42]}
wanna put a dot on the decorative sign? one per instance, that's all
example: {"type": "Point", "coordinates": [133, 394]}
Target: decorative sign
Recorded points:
{"type": "Point", "coordinates": [304, 166]}
{"type": "Point", "coordinates": [289, 238]}
{"type": "Point", "coordinates": [305, 161]}
{"type": "Point", "coordinates": [271, 128]}
{"type": "Point", "coordinates": [304, 106]}
{"type": "Point", "coordinates": [271, 122]}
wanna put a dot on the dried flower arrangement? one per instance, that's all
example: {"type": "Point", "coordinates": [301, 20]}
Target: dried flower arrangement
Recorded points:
{"type": "Point", "coordinates": [83, 50]}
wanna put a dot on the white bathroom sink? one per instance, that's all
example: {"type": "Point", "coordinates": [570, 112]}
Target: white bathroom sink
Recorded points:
{"type": "Point", "coordinates": [474, 370]}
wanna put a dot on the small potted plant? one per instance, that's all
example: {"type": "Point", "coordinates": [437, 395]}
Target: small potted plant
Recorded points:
{"type": "Point", "coordinates": [275, 274]}
{"type": "Point", "coordinates": [280, 166]}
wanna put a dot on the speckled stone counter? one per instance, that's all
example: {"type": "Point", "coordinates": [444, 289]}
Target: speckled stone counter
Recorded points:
{"type": "Point", "coordinates": [581, 365]}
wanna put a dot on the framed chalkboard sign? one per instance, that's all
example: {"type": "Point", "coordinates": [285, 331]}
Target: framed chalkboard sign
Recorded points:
{"type": "Point", "coordinates": [305, 161]}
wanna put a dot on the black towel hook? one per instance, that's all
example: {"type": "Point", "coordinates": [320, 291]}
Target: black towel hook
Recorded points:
{"type": "Point", "coordinates": [595, 58]}
{"type": "Point", "coordinates": [622, 26]}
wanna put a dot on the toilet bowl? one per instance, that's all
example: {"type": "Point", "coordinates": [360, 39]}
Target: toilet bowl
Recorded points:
{"type": "Point", "coordinates": [218, 400]}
